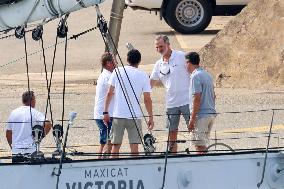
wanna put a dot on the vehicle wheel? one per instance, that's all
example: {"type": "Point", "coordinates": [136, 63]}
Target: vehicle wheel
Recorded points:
{"type": "Point", "coordinates": [189, 16]}
{"type": "Point", "coordinates": [166, 19]}
{"type": "Point", "coordinates": [163, 12]}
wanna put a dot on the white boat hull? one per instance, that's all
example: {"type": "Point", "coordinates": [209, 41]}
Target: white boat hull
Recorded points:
{"type": "Point", "coordinates": [237, 171]}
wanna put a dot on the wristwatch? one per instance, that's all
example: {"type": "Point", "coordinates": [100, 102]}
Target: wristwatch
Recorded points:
{"type": "Point", "coordinates": [104, 113]}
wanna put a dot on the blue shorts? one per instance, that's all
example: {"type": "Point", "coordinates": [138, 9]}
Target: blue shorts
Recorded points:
{"type": "Point", "coordinates": [104, 130]}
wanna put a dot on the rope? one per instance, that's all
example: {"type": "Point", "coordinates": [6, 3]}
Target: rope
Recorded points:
{"type": "Point", "coordinates": [64, 81]}
{"type": "Point", "coordinates": [28, 79]}
{"type": "Point", "coordinates": [63, 23]}
{"type": "Point", "coordinates": [48, 102]}
{"type": "Point", "coordinates": [51, 76]}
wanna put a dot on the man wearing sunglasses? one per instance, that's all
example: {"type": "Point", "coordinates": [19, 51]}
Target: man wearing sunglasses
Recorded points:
{"type": "Point", "coordinates": [170, 69]}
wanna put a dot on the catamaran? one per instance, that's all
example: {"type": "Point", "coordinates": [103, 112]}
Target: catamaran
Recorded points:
{"type": "Point", "coordinates": [229, 169]}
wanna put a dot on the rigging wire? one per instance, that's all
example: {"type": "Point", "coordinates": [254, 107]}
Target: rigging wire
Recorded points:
{"type": "Point", "coordinates": [166, 158]}
{"type": "Point", "coordinates": [48, 101]}
{"type": "Point", "coordinates": [64, 81]}
{"type": "Point", "coordinates": [268, 143]}
{"type": "Point", "coordinates": [51, 76]}
{"type": "Point", "coordinates": [62, 31]}
{"type": "Point", "coordinates": [75, 36]}
{"type": "Point", "coordinates": [218, 113]}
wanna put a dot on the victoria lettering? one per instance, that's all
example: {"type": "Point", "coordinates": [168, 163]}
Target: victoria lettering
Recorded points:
{"type": "Point", "coordinates": [120, 184]}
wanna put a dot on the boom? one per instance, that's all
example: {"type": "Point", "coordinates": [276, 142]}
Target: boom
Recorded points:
{"type": "Point", "coordinates": [14, 13]}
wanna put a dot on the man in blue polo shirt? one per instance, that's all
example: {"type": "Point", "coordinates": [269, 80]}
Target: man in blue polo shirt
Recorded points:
{"type": "Point", "coordinates": [201, 102]}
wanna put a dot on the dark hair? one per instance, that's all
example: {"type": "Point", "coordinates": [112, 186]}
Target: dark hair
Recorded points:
{"type": "Point", "coordinates": [193, 58]}
{"type": "Point", "coordinates": [27, 97]}
{"type": "Point", "coordinates": [133, 57]}
{"type": "Point", "coordinates": [106, 57]}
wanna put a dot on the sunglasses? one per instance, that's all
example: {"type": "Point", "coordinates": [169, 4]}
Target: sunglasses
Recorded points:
{"type": "Point", "coordinates": [165, 70]}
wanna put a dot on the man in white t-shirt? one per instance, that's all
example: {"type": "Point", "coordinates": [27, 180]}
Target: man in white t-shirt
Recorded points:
{"type": "Point", "coordinates": [170, 69]}
{"type": "Point", "coordinates": [19, 127]}
{"type": "Point", "coordinates": [126, 88]}
{"type": "Point", "coordinates": [108, 65]}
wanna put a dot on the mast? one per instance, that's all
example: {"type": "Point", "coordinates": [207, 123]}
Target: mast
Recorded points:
{"type": "Point", "coordinates": [116, 16]}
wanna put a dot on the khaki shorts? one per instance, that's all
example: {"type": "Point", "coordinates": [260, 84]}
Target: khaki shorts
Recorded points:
{"type": "Point", "coordinates": [202, 129]}
{"type": "Point", "coordinates": [118, 127]}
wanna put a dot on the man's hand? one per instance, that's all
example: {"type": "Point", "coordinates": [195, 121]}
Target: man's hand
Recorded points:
{"type": "Point", "coordinates": [150, 123]}
{"type": "Point", "coordinates": [106, 119]}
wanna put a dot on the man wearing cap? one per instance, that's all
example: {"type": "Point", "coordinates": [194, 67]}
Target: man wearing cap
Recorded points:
{"type": "Point", "coordinates": [170, 69]}
{"type": "Point", "coordinates": [202, 102]}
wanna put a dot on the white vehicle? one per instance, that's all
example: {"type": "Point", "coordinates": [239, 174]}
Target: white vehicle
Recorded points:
{"type": "Point", "coordinates": [189, 16]}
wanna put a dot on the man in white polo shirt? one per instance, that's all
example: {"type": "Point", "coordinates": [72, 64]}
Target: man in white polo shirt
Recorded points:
{"type": "Point", "coordinates": [19, 127]}
{"type": "Point", "coordinates": [170, 69]}
{"type": "Point", "coordinates": [127, 86]}
{"type": "Point", "coordinates": [108, 65]}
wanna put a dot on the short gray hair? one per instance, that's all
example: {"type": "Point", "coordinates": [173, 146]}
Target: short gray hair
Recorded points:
{"type": "Point", "coordinates": [164, 38]}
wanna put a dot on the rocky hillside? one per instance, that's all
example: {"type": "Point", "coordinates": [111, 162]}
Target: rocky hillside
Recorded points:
{"type": "Point", "coordinates": [249, 51]}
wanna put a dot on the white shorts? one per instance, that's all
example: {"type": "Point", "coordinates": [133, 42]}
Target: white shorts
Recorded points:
{"type": "Point", "coordinates": [202, 129]}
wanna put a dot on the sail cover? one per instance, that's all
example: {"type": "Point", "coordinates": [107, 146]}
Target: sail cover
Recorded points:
{"type": "Point", "coordinates": [5, 2]}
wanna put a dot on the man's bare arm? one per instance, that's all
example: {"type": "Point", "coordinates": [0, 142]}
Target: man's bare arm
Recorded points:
{"type": "Point", "coordinates": [195, 105]}
{"type": "Point", "coordinates": [195, 110]}
{"type": "Point", "coordinates": [149, 108]}
{"type": "Point", "coordinates": [109, 96]}
{"type": "Point", "coordinates": [153, 82]}
{"type": "Point", "coordinates": [9, 137]}
{"type": "Point", "coordinates": [214, 94]}
{"type": "Point", "coordinates": [47, 127]}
